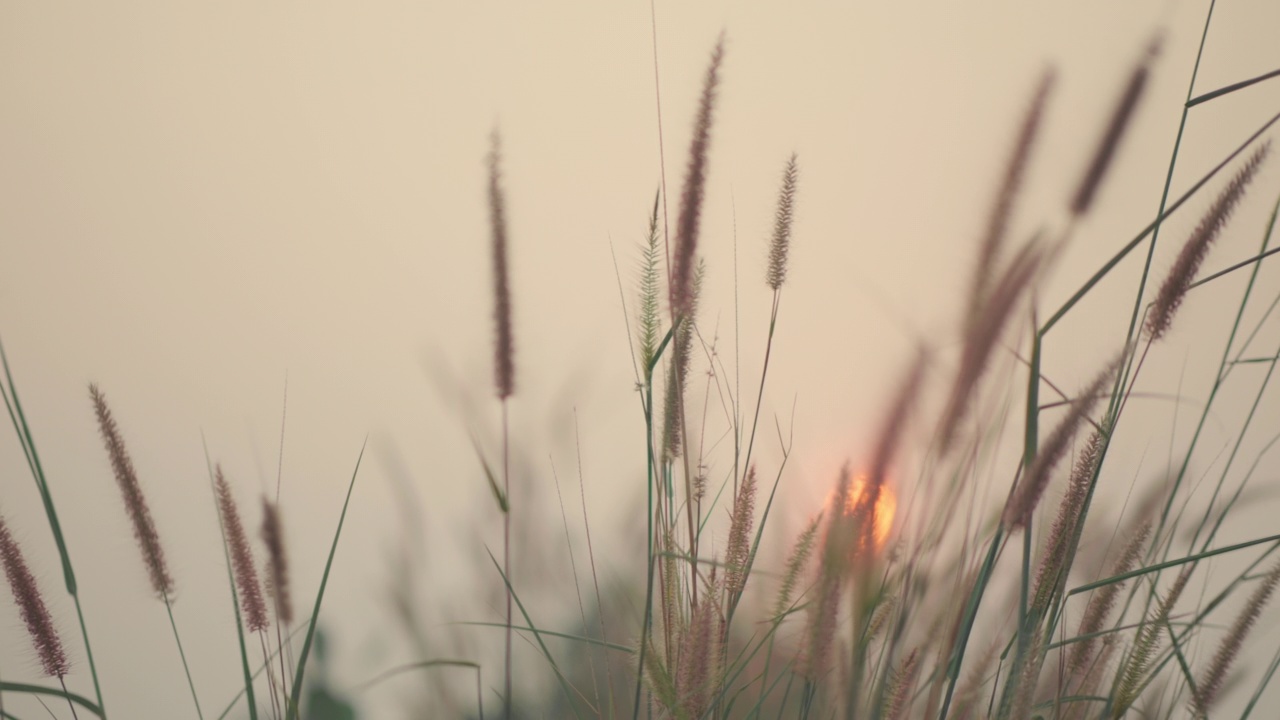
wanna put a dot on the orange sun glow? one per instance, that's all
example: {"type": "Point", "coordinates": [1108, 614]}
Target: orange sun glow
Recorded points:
{"type": "Point", "coordinates": [886, 504]}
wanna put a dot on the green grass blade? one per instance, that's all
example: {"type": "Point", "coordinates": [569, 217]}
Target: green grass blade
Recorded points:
{"type": "Point", "coordinates": [295, 695]}
{"type": "Point", "coordinates": [1173, 563]}
{"type": "Point", "coordinates": [26, 689]}
{"type": "Point", "coordinates": [1231, 88]}
{"type": "Point", "coordinates": [567, 636]}
{"type": "Point", "coordinates": [569, 691]}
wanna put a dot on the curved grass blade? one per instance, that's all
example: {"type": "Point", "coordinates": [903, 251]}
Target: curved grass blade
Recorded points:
{"type": "Point", "coordinates": [567, 636]}
{"type": "Point", "coordinates": [26, 689]}
{"type": "Point", "coordinates": [1173, 563]}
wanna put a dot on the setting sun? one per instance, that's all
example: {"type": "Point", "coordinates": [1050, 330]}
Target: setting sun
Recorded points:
{"type": "Point", "coordinates": [885, 507]}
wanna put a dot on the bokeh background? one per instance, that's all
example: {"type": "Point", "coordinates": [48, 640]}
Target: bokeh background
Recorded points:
{"type": "Point", "coordinates": [200, 202]}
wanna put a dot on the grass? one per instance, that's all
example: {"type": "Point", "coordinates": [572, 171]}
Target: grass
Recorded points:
{"type": "Point", "coordinates": [241, 575]}
{"type": "Point", "coordinates": [910, 593]}
{"type": "Point", "coordinates": [872, 643]}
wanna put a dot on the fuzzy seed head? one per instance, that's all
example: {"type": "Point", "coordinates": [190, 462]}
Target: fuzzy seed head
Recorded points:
{"type": "Point", "coordinates": [35, 615]}
{"type": "Point", "coordinates": [691, 197]}
{"type": "Point", "coordinates": [1031, 487]}
{"type": "Point", "coordinates": [780, 246]}
{"type": "Point", "coordinates": [277, 562]}
{"type": "Point", "coordinates": [504, 344]}
{"type": "Point", "coordinates": [1120, 121]}
{"type": "Point", "coordinates": [739, 552]}
{"type": "Point", "coordinates": [1211, 682]}
{"type": "Point", "coordinates": [1010, 184]}
{"type": "Point", "coordinates": [246, 574]}
{"type": "Point", "coordinates": [135, 503]}
{"type": "Point", "coordinates": [1184, 269]}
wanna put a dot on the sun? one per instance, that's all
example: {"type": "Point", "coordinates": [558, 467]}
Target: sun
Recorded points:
{"type": "Point", "coordinates": [884, 510]}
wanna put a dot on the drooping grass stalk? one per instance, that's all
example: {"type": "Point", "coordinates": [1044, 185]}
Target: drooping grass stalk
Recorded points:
{"type": "Point", "coordinates": [13, 404]}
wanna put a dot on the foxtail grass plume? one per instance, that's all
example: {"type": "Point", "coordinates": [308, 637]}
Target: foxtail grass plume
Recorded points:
{"type": "Point", "coordinates": [35, 615]}
{"type": "Point", "coordinates": [504, 344]}
{"type": "Point", "coordinates": [1131, 676]}
{"type": "Point", "coordinates": [1184, 269]}
{"type": "Point", "coordinates": [251, 602]}
{"type": "Point", "coordinates": [867, 493]}
{"type": "Point", "coordinates": [1062, 532]}
{"type": "Point", "coordinates": [780, 245]}
{"type": "Point", "coordinates": [1010, 184]}
{"type": "Point", "coordinates": [1030, 487]}
{"type": "Point", "coordinates": [1121, 118]}
{"type": "Point", "coordinates": [135, 503]}
{"type": "Point", "coordinates": [1211, 681]}
{"type": "Point", "coordinates": [739, 550]}
{"type": "Point", "coordinates": [700, 655]}
{"type": "Point", "coordinates": [833, 567]}
{"type": "Point", "coordinates": [691, 197]}
{"type": "Point", "coordinates": [1103, 601]}
{"type": "Point", "coordinates": [277, 562]}
{"type": "Point", "coordinates": [901, 686]}
{"type": "Point", "coordinates": [648, 324]}
{"type": "Point", "coordinates": [982, 336]}
{"type": "Point", "coordinates": [661, 683]}
{"type": "Point", "coordinates": [678, 371]}
{"type": "Point", "coordinates": [796, 564]}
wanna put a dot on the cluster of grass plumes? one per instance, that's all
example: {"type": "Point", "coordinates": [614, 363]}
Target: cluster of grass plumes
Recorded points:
{"type": "Point", "coordinates": [283, 680]}
{"type": "Point", "coordinates": [932, 611]}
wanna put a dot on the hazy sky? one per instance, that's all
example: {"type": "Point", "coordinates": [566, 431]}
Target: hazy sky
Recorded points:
{"type": "Point", "coordinates": [197, 199]}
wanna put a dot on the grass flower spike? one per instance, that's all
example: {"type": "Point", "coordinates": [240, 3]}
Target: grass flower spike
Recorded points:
{"type": "Point", "coordinates": [251, 602]}
{"type": "Point", "coordinates": [31, 607]}
{"type": "Point", "coordinates": [144, 527]}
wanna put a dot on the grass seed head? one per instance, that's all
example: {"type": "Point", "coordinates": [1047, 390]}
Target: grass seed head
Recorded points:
{"type": "Point", "coordinates": [504, 344]}
{"type": "Point", "coordinates": [1211, 681]}
{"type": "Point", "coordinates": [35, 614]}
{"type": "Point", "coordinates": [780, 245]}
{"type": "Point", "coordinates": [1121, 117]}
{"type": "Point", "coordinates": [1184, 269]}
{"type": "Point", "coordinates": [1010, 184]}
{"type": "Point", "coordinates": [135, 503]}
{"type": "Point", "coordinates": [694, 191]}
{"type": "Point", "coordinates": [246, 574]}
{"type": "Point", "coordinates": [277, 562]}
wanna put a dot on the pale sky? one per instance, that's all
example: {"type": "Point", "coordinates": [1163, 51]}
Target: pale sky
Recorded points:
{"type": "Point", "coordinates": [199, 199]}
